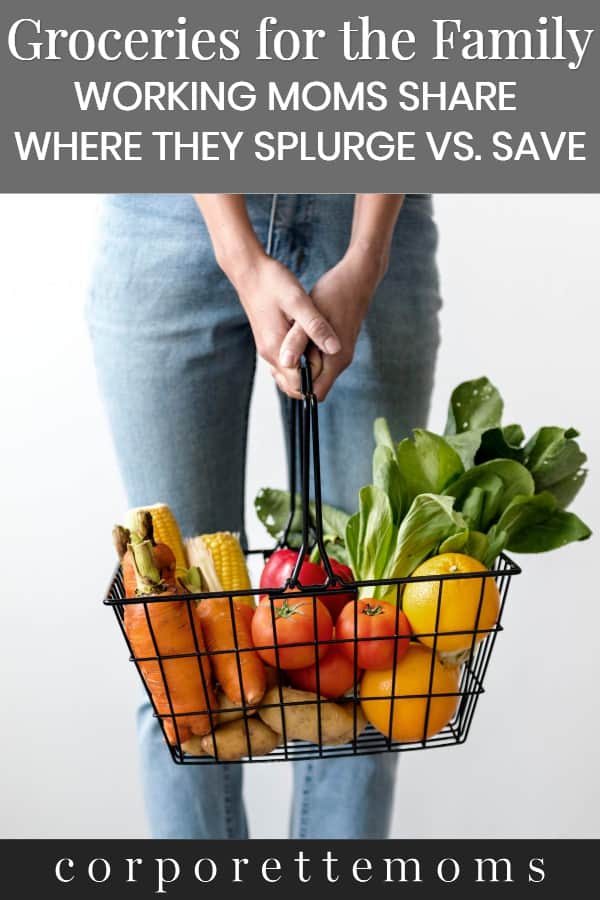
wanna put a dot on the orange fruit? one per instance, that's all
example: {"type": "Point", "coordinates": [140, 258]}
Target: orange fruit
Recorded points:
{"type": "Point", "coordinates": [413, 674]}
{"type": "Point", "coordinates": [459, 602]}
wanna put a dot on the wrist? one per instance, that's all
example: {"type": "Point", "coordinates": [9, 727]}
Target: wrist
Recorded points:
{"type": "Point", "coordinates": [371, 256]}
{"type": "Point", "coordinates": [239, 259]}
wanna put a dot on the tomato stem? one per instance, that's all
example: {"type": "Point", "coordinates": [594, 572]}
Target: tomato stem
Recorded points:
{"type": "Point", "coordinates": [287, 610]}
{"type": "Point", "coordinates": [369, 610]}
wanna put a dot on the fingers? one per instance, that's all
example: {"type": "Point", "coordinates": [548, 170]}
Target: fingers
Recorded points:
{"type": "Point", "coordinates": [288, 380]}
{"type": "Point", "coordinates": [293, 346]}
{"type": "Point", "coordinates": [332, 368]}
{"type": "Point", "coordinates": [315, 327]}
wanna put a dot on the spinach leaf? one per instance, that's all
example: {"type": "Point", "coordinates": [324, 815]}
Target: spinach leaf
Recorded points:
{"type": "Point", "coordinates": [387, 476]}
{"type": "Point", "coordinates": [381, 433]}
{"type": "Point", "coordinates": [273, 509]}
{"type": "Point", "coordinates": [473, 405]}
{"type": "Point", "coordinates": [466, 445]}
{"type": "Point", "coordinates": [501, 443]}
{"type": "Point", "coordinates": [537, 524]}
{"type": "Point", "coordinates": [500, 480]}
{"type": "Point", "coordinates": [428, 464]}
{"type": "Point", "coordinates": [370, 534]}
{"type": "Point", "coordinates": [429, 521]}
{"type": "Point", "coordinates": [555, 460]}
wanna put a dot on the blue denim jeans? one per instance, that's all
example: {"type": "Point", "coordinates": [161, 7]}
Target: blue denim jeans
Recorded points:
{"type": "Point", "coordinates": [175, 360]}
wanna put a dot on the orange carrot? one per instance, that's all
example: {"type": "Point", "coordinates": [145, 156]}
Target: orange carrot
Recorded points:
{"type": "Point", "coordinates": [215, 614]}
{"type": "Point", "coordinates": [180, 679]}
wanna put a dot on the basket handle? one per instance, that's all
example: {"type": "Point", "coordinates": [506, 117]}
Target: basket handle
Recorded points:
{"type": "Point", "coordinates": [304, 436]}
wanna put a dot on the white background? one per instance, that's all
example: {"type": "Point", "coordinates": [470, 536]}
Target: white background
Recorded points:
{"type": "Point", "coordinates": [520, 281]}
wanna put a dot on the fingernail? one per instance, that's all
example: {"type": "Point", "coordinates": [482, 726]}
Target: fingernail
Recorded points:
{"type": "Point", "coordinates": [332, 345]}
{"type": "Point", "coordinates": [288, 360]}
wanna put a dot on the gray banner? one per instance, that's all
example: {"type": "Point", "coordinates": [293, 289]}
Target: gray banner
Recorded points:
{"type": "Point", "coordinates": [162, 129]}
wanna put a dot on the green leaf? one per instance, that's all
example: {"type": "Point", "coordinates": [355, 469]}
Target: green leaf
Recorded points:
{"type": "Point", "coordinates": [513, 435]}
{"type": "Point", "coordinates": [370, 534]}
{"type": "Point", "coordinates": [472, 506]}
{"type": "Point", "coordinates": [474, 404]}
{"type": "Point", "coordinates": [387, 476]}
{"type": "Point", "coordinates": [466, 445]}
{"type": "Point", "coordinates": [441, 464]}
{"type": "Point", "coordinates": [339, 552]}
{"type": "Point", "coordinates": [429, 521]}
{"type": "Point", "coordinates": [381, 432]}
{"type": "Point", "coordinates": [538, 524]}
{"type": "Point", "coordinates": [500, 479]}
{"type": "Point", "coordinates": [501, 443]}
{"type": "Point", "coordinates": [478, 547]}
{"type": "Point", "coordinates": [428, 464]}
{"type": "Point", "coordinates": [456, 543]}
{"type": "Point", "coordinates": [555, 460]}
{"type": "Point", "coordinates": [273, 509]}
{"type": "Point", "coordinates": [334, 521]}
{"type": "Point", "coordinates": [352, 543]}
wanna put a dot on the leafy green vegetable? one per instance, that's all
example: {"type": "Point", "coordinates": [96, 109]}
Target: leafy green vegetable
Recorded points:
{"type": "Point", "coordinates": [466, 445]}
{"type": "Point", "coordinates": [378, 549]}
{"type": "Point", "coordinates": [474, 405]}
{"type": "Point", "coordinates": [537, 524]}
{"type": "Point", "coordinates": [382, 435]}
{"type": "Point", "coordinates": [387, 476]}
{"type": "Point", "coordinates": [428, 464]}
{"type": "Point", "coordinates": [555, 460]}
{"type": "Point", "coordinates": [479, 489]}
{"type": "Point", "coordinates": [370, 533]}
{"type": "Point", "coordinates": [500, 480]}
{"type": "Point", "coordinates": [273, 509]}
{"type": "Point", "coordinates": [501, 443]}
{"type": "Point", "coordinates": [429, 521]}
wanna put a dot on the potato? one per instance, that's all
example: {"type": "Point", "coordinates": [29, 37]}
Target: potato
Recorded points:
{"type": "Point", "coordinates": [193, 746]}
{"type": "Point", "coordinates": [222, 718]}
{"type": "Point", "coordinates": [302, 723]}
{"type": "Point", "coordinates": [232, 741]}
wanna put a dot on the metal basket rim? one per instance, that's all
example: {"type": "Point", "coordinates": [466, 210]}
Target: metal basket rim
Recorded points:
{"type": "Point", "coordinates": [511, 568]}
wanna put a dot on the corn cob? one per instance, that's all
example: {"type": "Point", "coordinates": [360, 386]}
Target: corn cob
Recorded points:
{"type": "Point", "coordinates": [227, 557]}
{"type": "Point", "coordinates": [166, 529]}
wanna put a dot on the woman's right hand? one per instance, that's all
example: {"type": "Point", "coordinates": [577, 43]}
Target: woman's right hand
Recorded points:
{"type": "Point", "coordinates": [274, 300]}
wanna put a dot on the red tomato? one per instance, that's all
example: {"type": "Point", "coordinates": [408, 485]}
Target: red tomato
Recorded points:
{"type": "Point", "coordinates": [337, 602]}
{"type": "Point", "coordinates": [280, 566]}
{"type": "Point", "coordinates": [336, 675]}
{"type": "Point", "coordinates": [294, 623]}
{"type": "Point", "coordinates": [374, 619]}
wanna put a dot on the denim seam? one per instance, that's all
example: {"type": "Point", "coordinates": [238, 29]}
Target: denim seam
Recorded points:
{"type": "Point", "coordinates": [228, 802]}
{"type": "Point", "coordinates": [305, 805]}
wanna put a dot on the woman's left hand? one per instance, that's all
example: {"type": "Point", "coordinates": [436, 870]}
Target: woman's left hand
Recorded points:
{"type": "Point", "coordinates": [343, 295]}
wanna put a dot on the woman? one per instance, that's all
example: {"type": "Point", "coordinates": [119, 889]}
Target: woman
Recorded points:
{"type": "Point", "coordinates": [185, 291]}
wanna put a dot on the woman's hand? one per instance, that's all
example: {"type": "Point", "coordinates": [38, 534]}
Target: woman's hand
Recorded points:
{"type": "Point", "coordinates": [275, 302]}
{"type": "Point", "coordinates": [343, 295]}
{"type": "Point", "coordinates": [272, 297]}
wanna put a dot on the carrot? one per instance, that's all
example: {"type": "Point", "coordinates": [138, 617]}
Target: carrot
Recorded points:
{"type": "Point", "coordinates": [215, 614]}
{"type": "Point", "coordinates": [180, 679]}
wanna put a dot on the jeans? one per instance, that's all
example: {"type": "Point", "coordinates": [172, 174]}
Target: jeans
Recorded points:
{"type": "Point", "coordinates": [175, 360]}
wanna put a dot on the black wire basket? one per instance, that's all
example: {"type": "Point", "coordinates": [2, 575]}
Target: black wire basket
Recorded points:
{"type": "Point", "coordinates": [400, 701]}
